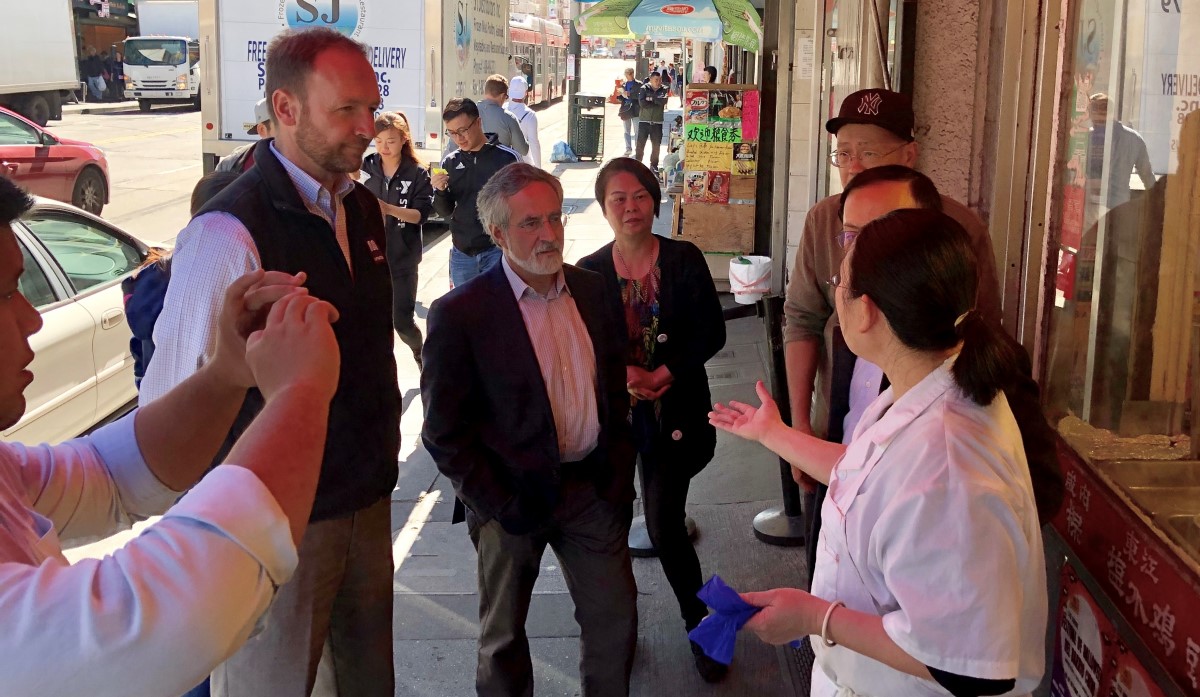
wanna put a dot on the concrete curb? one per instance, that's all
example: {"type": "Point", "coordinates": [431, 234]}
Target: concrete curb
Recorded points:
{"type": "Point", "coordinates": [99, 107]}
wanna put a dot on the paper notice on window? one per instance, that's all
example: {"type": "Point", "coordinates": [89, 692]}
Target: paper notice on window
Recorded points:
{"type": "Point", "coordinates": [806, 50]}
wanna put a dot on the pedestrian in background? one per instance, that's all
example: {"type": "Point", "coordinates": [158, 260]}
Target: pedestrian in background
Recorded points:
{"type": "Point", "coordinates": [463, 173]}
{"type": "Point", "coordinates": [518, 90]}
{"type": "Point", "coordinates": [297, 210]}
{"type": "Point", "coordinates": [499, 126]}
{"type": "Point", "coordinates": [398, 178]}
{"type": "Point", "coordinates": [242, 158]}
{"type": "Point", "coordinates": [673, 326]}
{"type": "Point", "coordinates": [652, 101]}
{"type": "Point", "coordinates": [93, 73]}
{"type": "Point", "coordinates": [631, 93]}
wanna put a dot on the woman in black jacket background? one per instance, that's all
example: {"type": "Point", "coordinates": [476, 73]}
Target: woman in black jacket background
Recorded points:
{"type": "Point", "coordinates": [675, 325]}
{"type": "Point", "coordinates": [399, 180]}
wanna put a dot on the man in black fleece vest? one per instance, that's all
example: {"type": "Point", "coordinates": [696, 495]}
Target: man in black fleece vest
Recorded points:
{"type": "Point", "coordinates": [297, 210]}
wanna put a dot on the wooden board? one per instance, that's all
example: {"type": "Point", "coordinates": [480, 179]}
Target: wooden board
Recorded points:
{"type": "Point", "coordinates": [715, 227]}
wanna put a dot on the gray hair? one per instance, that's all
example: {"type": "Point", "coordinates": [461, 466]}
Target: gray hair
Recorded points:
{"type": "Point", "coordinates": [492, 201]}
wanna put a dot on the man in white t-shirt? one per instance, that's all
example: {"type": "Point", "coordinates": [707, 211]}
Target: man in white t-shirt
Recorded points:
{"type": "Point", "coordinates": [518, 88]}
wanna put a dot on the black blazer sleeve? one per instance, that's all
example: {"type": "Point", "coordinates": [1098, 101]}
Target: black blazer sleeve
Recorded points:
{"type": "Point", "coordinates": [451, 432]}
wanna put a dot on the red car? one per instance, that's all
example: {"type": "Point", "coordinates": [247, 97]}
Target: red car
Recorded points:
{"type": "Point", "coordinates": [59, 168]}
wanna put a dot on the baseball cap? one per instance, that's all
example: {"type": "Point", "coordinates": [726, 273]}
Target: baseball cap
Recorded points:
{"type": "Point", "coordinates": [261, 113]}
{"type": "Point", "coordinates": [891, 111]}
{"type": "Point", "coordinates": [517, 87]}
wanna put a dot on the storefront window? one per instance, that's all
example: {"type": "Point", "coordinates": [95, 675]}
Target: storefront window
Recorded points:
{"type": "Point", "coordinates": [1122, 381]}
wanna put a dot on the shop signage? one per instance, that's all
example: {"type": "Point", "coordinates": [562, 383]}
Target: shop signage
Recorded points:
{"type": "Point", "coordinates": [1156, 594]}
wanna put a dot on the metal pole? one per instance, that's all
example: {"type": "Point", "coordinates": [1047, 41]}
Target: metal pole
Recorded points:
{"type": "Point", "coordinates": [780, 526]}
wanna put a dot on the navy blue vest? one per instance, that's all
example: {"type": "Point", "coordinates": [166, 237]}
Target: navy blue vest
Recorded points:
{"type": "Point", "coordinates": [363, 443]}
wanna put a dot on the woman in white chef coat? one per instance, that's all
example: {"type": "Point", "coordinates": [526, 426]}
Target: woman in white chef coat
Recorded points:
{"type": "Point", "coordinates": [930, 578]}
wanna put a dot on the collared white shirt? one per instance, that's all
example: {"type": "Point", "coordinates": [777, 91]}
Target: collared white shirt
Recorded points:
{"type": "Point", "coordinates": [930, 523]}
{"type": "Point", "coordinates": [864, 389]}
{"type": "Point", "coordinates": [566, 359]}
{"type": "Point", "coordinates": [212, 252]}
{"type": "Point", "coordinates": [157, 614]}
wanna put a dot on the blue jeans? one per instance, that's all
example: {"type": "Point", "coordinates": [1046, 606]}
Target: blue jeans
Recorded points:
{"type": "Point", "coordinates": [464, 267]}
{"type": "Point", "coordinates": [631, 131]}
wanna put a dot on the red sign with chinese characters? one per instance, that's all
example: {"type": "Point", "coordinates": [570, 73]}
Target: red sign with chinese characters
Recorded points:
{"type": "Point", "coordinates": [1156, 594]}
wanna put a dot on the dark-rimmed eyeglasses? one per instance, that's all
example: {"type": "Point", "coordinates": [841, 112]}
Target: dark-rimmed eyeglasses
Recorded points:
{"type": "Point", "coordinates": [461, 132]}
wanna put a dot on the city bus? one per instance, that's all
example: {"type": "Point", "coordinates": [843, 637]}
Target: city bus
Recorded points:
{"type": "Point", "coordinates": [539, 49]}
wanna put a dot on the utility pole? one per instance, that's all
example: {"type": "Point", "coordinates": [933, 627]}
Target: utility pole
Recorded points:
{"type": "Point", "coordinates": [573, 54]}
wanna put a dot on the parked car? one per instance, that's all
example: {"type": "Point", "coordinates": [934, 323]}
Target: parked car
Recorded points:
{"type": "Point", "coordinates": [601, 52]}
{"type": "Point", "coordinates": [82, 369]}
{"type": "Point", "coordinates": [65, 170]}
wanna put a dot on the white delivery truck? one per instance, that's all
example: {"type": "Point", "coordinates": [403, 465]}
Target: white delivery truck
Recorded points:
{"type": "Point", "coordinates": [162, 65]}
{"type": "Point", "coordinates": [38, 66]}
{"type": "Point", "coordinates": [424, 54]}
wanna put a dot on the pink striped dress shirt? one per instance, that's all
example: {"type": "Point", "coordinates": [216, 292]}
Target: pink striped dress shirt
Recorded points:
{"type": "Point", "coordinates": [568, 364]}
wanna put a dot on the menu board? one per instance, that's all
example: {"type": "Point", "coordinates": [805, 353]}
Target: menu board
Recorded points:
{"type": "Point", "coordinates": [721, 142]}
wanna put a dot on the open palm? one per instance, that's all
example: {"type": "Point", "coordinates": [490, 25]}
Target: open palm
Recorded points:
{"type": "Point", "coordinates": [744, 420]}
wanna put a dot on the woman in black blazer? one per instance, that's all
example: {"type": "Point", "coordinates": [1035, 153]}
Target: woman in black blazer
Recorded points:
{"type": "Point", "coordinates": [675, 324]}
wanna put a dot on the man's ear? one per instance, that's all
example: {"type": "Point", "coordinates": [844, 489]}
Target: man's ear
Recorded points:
{"type": "Point", "coordinates": [911, 152]}
{"type": "Point", "coordinates": [286, 106]}
{"type": "Point", "coordinates": [498, 236]}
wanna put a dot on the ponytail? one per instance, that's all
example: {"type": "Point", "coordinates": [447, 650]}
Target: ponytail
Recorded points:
{"type": "Point", "coordinates": [988, 361]}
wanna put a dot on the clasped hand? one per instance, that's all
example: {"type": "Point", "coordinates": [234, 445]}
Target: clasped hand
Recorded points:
{"type": "Point", "coordinates": [647, 385]}
{"type": "Point", "coordinates": [787, 614]}
{"type": "Point", "coordinates": [273, 335]}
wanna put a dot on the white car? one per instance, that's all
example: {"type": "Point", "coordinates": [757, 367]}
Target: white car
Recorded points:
{"type": "Point", "coordinates": [83, 369]}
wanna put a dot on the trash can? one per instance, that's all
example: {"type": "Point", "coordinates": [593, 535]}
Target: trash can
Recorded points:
{"type": "Point", "coordinates": [585, 127]}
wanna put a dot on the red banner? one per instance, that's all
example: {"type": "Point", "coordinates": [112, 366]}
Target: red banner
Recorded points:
{"type": "Point", "coordinates": [1157, 595]}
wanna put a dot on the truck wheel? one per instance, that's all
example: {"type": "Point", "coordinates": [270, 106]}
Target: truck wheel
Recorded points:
{"type": "Point", "coordinates": [196, 102]}
{"type": "Point", "coordinates": [90, 191]}
{"type": "Point", "coordinates": [36, 108]}
{"type": "Point", "coordinates": [143, 105]}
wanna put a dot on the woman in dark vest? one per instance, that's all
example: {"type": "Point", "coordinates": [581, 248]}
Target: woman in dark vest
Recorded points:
{"type": "Point", "coordinates": [399, 180]}
{"type": "Point", "coordinates": [675, 324]}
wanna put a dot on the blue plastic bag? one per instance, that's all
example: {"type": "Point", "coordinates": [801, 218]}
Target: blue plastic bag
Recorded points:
{"type": "Point", "coordinates": [717, 634]}
{"type": "Point", "coordinates": [562, 153]}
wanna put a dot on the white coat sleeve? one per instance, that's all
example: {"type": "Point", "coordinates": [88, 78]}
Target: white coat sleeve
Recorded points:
{"type": "Point", "coordinates": [158, 614]}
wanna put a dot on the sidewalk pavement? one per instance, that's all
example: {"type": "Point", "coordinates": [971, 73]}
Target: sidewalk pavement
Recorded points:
{"type": "Point", "coordinates": [99, 107]}
{"type": "Point", "coordinates": [436, 603]}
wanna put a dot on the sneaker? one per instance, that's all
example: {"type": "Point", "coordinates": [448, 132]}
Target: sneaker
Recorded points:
{"type": "Point", "coordinates": [627, 153]}
{"type": "Point", "coordinates": [710, 670]}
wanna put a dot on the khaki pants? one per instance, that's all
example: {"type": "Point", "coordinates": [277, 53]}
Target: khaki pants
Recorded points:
{"type": "Point", "coordinates": [339, 601]}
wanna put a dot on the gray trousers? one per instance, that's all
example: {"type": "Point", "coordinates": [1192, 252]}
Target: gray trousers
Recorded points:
{"type": "Point", "coordinates": [339, 602]}
{"type": "Point", "coordinates": [590, 538]}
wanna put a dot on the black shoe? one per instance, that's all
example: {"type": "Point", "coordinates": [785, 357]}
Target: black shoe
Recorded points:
{"type": "Point", "coordinates": [710, 670]}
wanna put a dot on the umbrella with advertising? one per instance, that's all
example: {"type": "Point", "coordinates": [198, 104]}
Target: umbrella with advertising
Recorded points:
{"type": "Point", "coordinates": [734, 22]}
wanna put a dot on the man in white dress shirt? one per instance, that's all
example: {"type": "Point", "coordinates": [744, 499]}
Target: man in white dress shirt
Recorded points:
{"type": "Point", "coordinates": [155, 616]}
{"type": "Point", "coordinates": [296, 210]}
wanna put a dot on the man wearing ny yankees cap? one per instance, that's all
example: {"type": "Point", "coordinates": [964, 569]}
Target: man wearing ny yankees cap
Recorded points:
{"type": "Point", "coordinates": [874, 127]}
